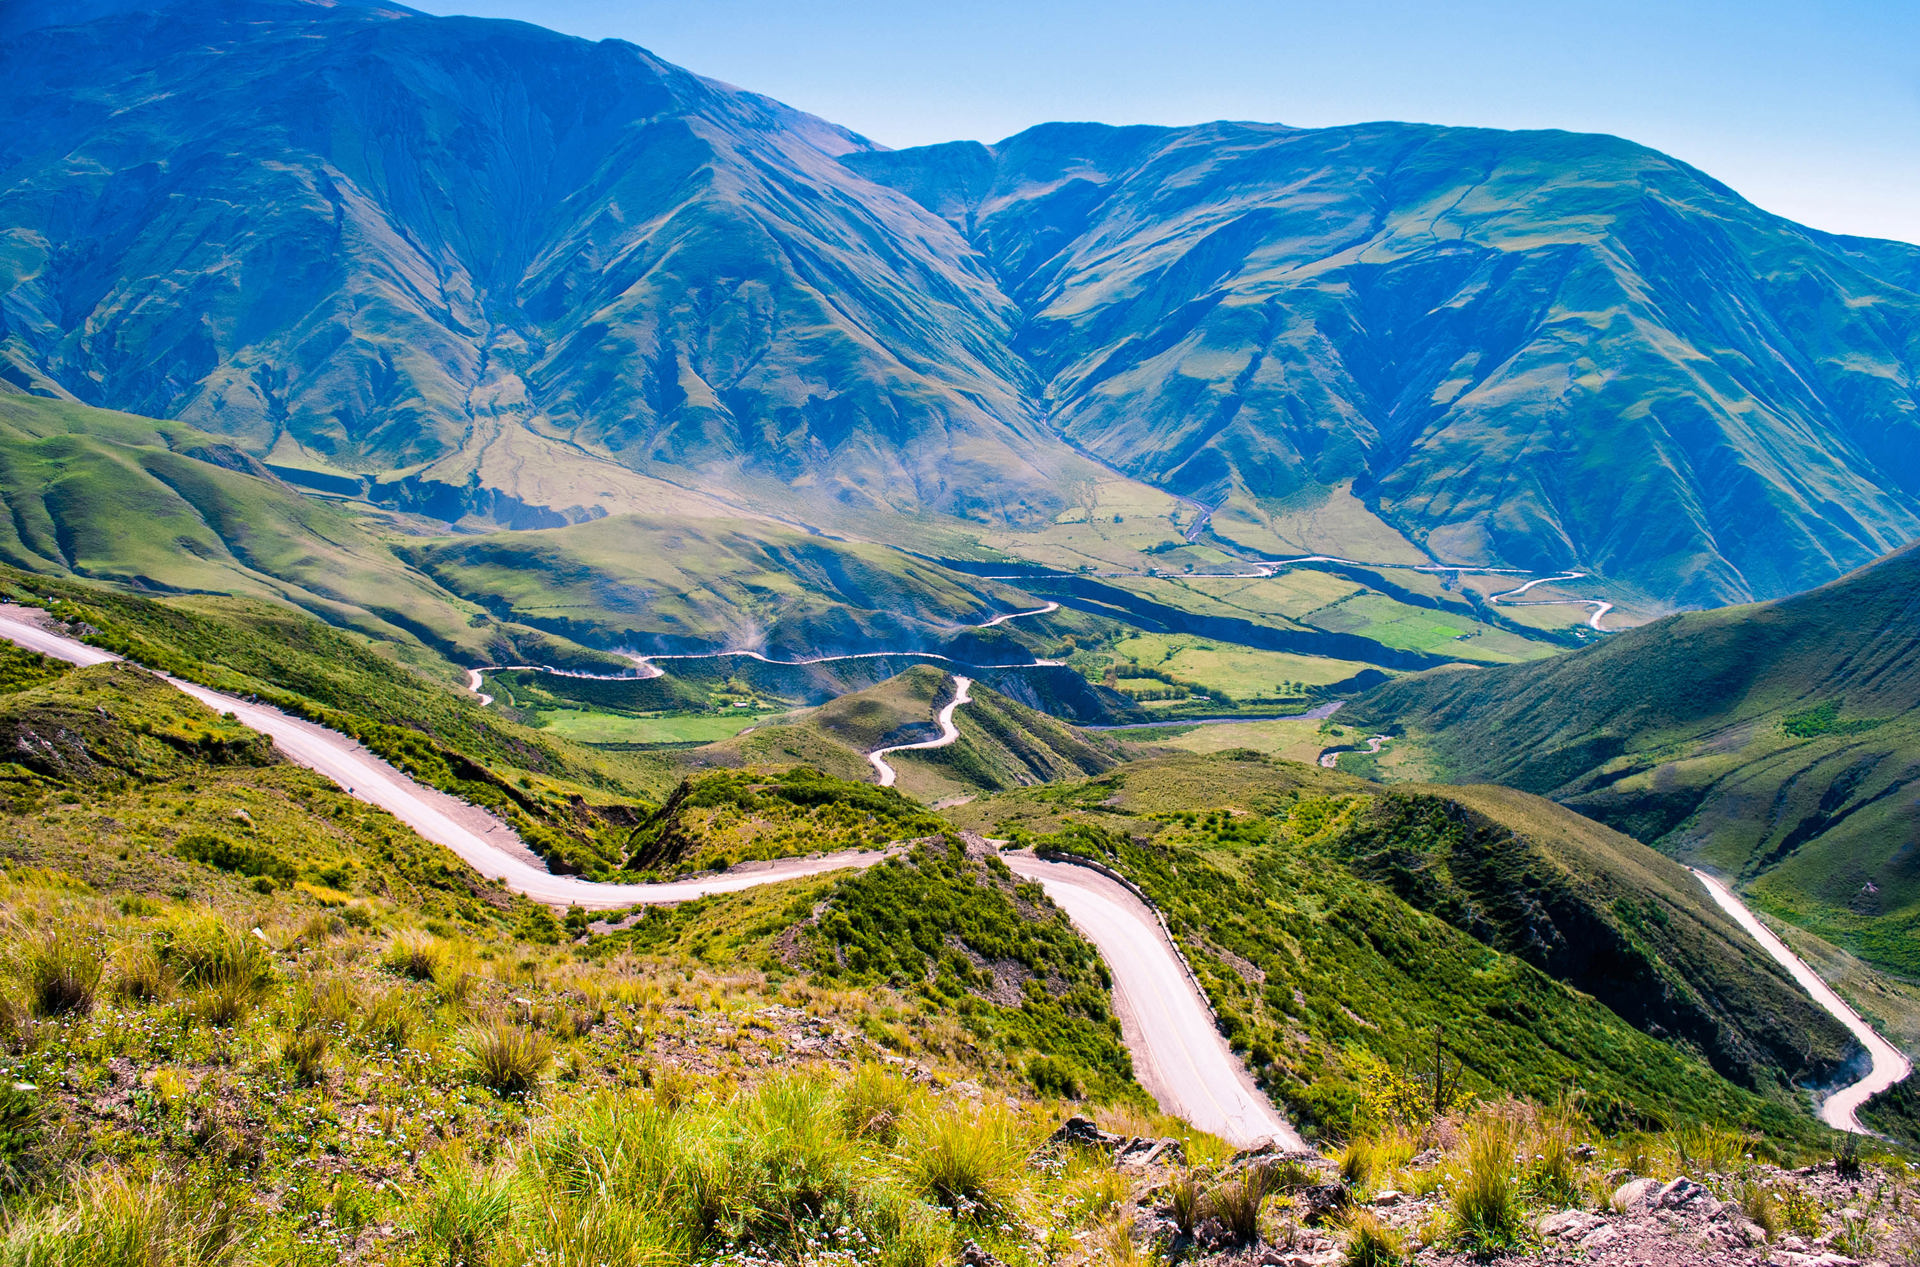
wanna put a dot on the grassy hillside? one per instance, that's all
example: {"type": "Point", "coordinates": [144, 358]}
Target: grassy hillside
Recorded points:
{"type": "Point", "coordinates": [1777, 743]}
{"type": "Point", "coordinates": [246, 1017]}
{"type": "Point", "coordinates": [1002, 743]}
{"type": "Point", "coordinates": [162, 507]}
{"type": "Point", "coordinates": [1336, 924]}
{"type": "Point", "coordinates": [672, 585]}
{"type": "Point", "coordinates": [572, 804]}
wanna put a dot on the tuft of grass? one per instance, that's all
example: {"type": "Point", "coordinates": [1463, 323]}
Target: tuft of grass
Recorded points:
{"type": "Point", "coordinates": [416, 956]}
{"type": "Point", "coordinates": [306, 1050]}
{"type": "Point", "coordinates": [1701, 1148]}
{"type": "Point", "coordinates": [874, 1102]}
{"type": "Point", "coordinates": [1366, 1241]}
{"type": "Point", "coordinates": [1758, 1203]}
{"type": "Point", "coordinates": [206, 953]}
{"type": "Point", "coordinates": [141, 976]}
{"type": "Point", "coordinates": [1552, 1173]}
{"type": "Point", "coordinates": [61, 970]}
{"type": "Point", "coordinates": [1236, 1204]}
{"type": "Point", "coordinates": [1487, 1207]}
{"type": "Point", "coordinates": [462, 1210]}
{"type": "Point", "coordinates": [970, 1162]}
{"type": "Point", "coordinates": [505, 1058]}
{"type": "Point", "coordinates": [1184, 1198]}
{"type": "Point", "coordinates": [112, 1221]}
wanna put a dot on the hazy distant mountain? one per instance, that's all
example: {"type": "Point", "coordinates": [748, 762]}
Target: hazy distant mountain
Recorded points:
{"type": "Point", "coordinates": [483, 255]}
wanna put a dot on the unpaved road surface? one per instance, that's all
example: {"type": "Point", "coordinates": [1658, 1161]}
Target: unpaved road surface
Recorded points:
{"type": "Point", "coordinates": [1331, 759]}
{"type": "Point", "coordinates": [948, 734]}
{"type": "Point", "coordinates": [482, 841]}
{"type": "Point", "coordinates": [645, 667]}
{"type": "Point", "coordinates": [1178, 1054]}
{"type": "Point", "coordinates": [1841, 1109]}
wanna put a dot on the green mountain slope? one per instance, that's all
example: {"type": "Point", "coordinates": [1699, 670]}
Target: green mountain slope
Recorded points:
{"type": "Point", "coordinates": [496, 274]}
{"type": "Point", "coordinates": [1328, 917]}
{"type": "Point", "coordinates": [664, 585]}
{"type": "Point", "coordinates": [1777, 743]}
{"type": "Point", "coordinates": [460, 256]}
{"type": "Point", "coordinates": [1549, 349]}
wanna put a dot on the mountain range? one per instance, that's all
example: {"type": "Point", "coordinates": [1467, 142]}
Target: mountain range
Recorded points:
{"type": "Point", "coordinates": [506, 276]}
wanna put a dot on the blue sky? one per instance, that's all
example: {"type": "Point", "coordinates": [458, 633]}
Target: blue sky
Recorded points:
{"type": "Point", "coordinates": [1809, 108]}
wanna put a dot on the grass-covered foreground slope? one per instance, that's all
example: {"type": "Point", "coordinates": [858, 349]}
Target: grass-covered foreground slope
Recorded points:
{"type": "Point", "coordinates": [245, 1018]}
{"type": "Point", "coordinates": [572, 804]}
{"type": "Point", "coordinates": [1777, 743]}
{"type": "Point", "coordinates": [1337, 924]}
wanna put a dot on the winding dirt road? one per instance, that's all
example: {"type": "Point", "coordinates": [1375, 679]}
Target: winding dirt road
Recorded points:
{"type": "Point", "coordinates": [1178, 1053]}
{"type": "Point", "coordinates": [482, 841]}
{"type": "Point", "coordinates": [646, 669]}
{"type": "Point", "coordinates": [1841, 1109]}
{"type": "Point", "coordinates": [1600, 607]}
{"type": "Point", "coordinates": [1331, 759]}
{"type": "Point", "coordinates": [948, 734]}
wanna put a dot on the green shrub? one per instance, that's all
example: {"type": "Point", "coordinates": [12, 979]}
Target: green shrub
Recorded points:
{"type": "Point", "coordinates": [1053, 1077]}
{"type": "Point", "coordinates": [238, 857]}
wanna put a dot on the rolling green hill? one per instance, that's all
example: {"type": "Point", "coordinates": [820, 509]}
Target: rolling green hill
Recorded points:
{"type": "Point", "coordinates": [663, 585]}
{"type": "Point", "coordinates": [498, 275]}
{"type": "Point", "coordinates": [1777, 743]}
{"type": "Point", "coordinates": [1328, 915]}
{"type": "Point", "coordinates": [1002, 743]}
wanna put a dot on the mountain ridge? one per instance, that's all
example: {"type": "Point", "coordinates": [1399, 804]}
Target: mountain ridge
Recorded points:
{"type": "Point", "coordinates": [478, 255]}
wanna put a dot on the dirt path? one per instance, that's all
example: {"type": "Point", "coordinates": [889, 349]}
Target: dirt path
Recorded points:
{"type": "Point", "coordinates": [1331, 758]}
{"type": "Point", "coordinates": [1599, 606]}
{"type": "Point", "coordinates": [1841, 1109]}
{"type": "Point", "coordinates": [1179, 1055]}
{"type": "Point", "coordinates": [482, 841]}
{"type": "Point", "coordinates": [948, 734]}
{"type": "Point", "coordinates": [646, 668]}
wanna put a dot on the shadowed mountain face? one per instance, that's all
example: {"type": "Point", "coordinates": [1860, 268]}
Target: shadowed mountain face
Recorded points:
{"type": "Point", "coordinates": [470, 255]}
{"type": "Point", "coordinates": [1546, 348]}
